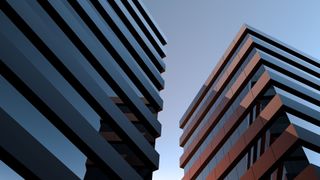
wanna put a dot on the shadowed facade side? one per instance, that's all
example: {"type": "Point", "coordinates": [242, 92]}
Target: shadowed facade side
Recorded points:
{"type": "Point", "coordinates": [80, 84]}
{"type": "Point", "coordinates": [257, 116]}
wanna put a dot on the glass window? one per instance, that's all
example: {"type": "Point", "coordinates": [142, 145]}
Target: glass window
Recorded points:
{"type": "Point", "coordinates": [7, 173]}
{"type": "Point", "coordinates": [41, 129]}
{"type": "Point", "coordinates": [313, 156]}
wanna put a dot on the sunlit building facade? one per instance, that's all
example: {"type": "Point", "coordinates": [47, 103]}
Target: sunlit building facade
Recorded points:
{"type": "Point", "coordinates": [79, 89]}
{"type": "Point", "coordinates": [257, 116]}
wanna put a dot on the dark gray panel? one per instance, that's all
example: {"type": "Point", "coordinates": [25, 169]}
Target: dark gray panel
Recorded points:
{"type": "Point", "coordinates": [133, 25]}
{"type": "Point", "coordinates": [129, 41]}
{"type": "Point", "coordinates": [136, 14]}
{"type": "Point", "coordinates": [154, 26]}
{"type": "Point", "coordinates": [93, 93]}
{"type": "Point", "coordinates": [118, 51]}
{"type": "Point", "coordinates": [49, 101]}
{"type": "Point", "coordinates": [116, 78]}
{"type": "Point", "coordinates": [26, 155]}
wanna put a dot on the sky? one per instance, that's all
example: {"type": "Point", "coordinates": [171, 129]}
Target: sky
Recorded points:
{"type": "Point", "coordinates": [199, 32]}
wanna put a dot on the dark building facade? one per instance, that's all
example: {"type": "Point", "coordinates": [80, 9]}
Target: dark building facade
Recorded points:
{"type": "Point", "coordinates": [79, 89]}
{"type": "Point", "coordinates": [257, 116]}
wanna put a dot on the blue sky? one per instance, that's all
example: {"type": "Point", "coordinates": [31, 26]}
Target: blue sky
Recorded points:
{"type": "Point", "coordinates": [198, 32]}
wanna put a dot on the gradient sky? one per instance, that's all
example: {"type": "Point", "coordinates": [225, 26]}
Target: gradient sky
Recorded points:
{"type": "Point", "coordinates": [198, 32]}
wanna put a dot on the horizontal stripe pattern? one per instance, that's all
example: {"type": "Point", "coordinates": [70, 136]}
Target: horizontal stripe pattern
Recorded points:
{"type": "Point", "coordinates": [277, 76]}
{"type": "Point", "coordinates": [110, 58]}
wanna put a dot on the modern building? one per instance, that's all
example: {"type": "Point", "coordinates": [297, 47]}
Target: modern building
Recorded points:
{"type": "Point", "coordinates": [257, 116]}
{"type": "Point", "coordinates": [79, 89]}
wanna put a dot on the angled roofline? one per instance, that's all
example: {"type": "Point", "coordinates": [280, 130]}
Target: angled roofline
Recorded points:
{"type": "Point", "coordinates": [152, 23]}
{"type": "Point", "coordinates": [244, 30]}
